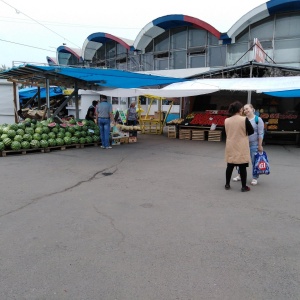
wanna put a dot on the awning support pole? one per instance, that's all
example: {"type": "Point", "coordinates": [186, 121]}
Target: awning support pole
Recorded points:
{"type": "Point", "coordinates": [76, 101]}
{"type": "Point", "coordinates": [47, 98]}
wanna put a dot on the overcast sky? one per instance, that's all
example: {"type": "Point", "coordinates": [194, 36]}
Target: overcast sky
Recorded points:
{"type": "Point", "coordinates": [30, 30]}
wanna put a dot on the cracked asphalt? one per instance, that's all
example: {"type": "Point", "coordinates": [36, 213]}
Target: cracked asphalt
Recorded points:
{"type": "Point", "coordinates": [148, 221]}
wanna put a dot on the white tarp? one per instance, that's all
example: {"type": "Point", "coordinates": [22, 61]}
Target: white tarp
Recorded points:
{"type": "Point", "coordinates": [206, 86]}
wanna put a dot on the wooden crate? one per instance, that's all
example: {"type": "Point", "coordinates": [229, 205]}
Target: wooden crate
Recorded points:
{"type": "Point", "coordinates": [214, 135]}
{"type": "Point", "coordinates": [184, 134]}
{"type": "Point", "coordinates": [172, 134]}
{"type": "Point", "coordinates": [198, 135]}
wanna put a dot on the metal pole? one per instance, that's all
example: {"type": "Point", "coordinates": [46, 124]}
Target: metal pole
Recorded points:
{"type": "Point", "coordinates": [76, 101]}
{"type": "Point", "coordinates": [47, 98]}
{"type": "Point", "coordinates": [249, 92]}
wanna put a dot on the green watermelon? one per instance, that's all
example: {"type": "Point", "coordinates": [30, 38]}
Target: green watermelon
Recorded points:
{"type": "Point", "coordinates": [45, 129]}
{"type": "Point", "coordinates": [96, 138]}
{"type": "Point", "coordinates": [27, 137]}
{"type": "Point", "coordinates": [52, 142]}
{"type": "Point", "coordinates": [20, 131]}
{"type": "Point", "coordinates": [29, 130]}
{"type": "Point", "coordinates": [25, 145]}
{"type": "Point", "coordinates": [52, 135]}
{"type": "Point", "coordinates": [37, 136]}
{"type": "Point", "coordinates": [38, 130]}
{"type": "Point", "coordinates": [15, 145]}
{"type": "Point", "coordinates": [2, 146]}
{"type": "Point", "coordinates": [44, 136]}
{"type": "Point", "coordinates": [59, 142]}
{"type": "Point", "coordinates": [67, 140]}
{"type": "Point", "coordinates": [13, 127]}
{"type": "Point", "coordinates": [34, 144]}
{"type": "Point", "coordinates": [18, 138]}
{"type": "Point", "coordinates": [11, 133]}
{"type": "Point", "coordinates": [74, 140]}
{"type": "Point", "coordinates": [7, 142]}
{"type": "Point", "coordinates": [43, 144]}
{"type": "Point", "coordinates": [89, 139]}
{"type": "Point", "coordinates": [82, 140]}
{"type": "Point", "coordinates": [3, 136]}
{"type": "Point", "coordinates": [68, 134]}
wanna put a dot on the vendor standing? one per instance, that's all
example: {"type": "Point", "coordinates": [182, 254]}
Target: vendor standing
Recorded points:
{"type": "Point", "coordinates": [131, 117]}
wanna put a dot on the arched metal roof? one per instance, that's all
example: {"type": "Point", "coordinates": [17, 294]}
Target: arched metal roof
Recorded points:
{"type": "Point", "coordinates": [72, 51]}
{"type": "Point", "coordinates": [94, 41]}
{"type": "Point", "coordinates": [160, 25]}
{"type": "Point", "coordinates": [259, 13]}
{"type": "Point", "coordinates": [51, 61]}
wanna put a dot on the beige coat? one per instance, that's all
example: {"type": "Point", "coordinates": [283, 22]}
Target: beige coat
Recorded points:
{"type": "Point", "coordinates": [237, 149]}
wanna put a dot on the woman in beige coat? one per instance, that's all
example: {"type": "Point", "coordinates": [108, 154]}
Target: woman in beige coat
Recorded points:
{"type": "Point", "coordinates": [237, 151]}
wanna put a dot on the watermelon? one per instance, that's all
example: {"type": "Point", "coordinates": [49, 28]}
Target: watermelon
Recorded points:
{"type": "Point", "coordinates": [67, 140]}
{"type": "Point", "coordinates": [20, 131]}
{"type": "Point", "coordinates": [43, 144]}
{"type": "Point", "coordinates": [53, 124]}
{"type": "Point", "coordinates": [82, 140]}
{"type": "Point", "coordinates": [34, 144]}
{"type": "Point", "coordinates": [79, 124]}
{"type": "Point", "coordinates": [64, 125]}
{"type": "Point", "coordinates": [3, 136]}
{"type": "Point", "coordinates": [55, 130]}
{"type": "Point", "coordinates": [36, 136]}
{"type": "Point", "coordinates": [25, 145]}
{"type": "Point", "coordinates": [18, 138]}
{"type": "Point", "coordinates": [7, 142]}
{"type": "Point", "coordinates": [15, 145]}
{"type": "Point", "coordinates": [71, 129]}
{"type": "Point", "coordinates": [38, 130]}
{"type": "Point", "coordinates": [45, 129]}
{"type": "Point", "coordinates": [60, 135]}
{"type": "Point", "coordinates": [27, 137]}
{"type": "Point", "coordinates": [21, 126]}
{"type": "Point", "coordinates": [29, 130]}
{"type": "Point", "coordinates": [96, 138]}
{"type": "Point", "coordinates": [52, 135]}
{"type": "Point", "coordinates": [45, 136]}
{"type": "Point", "coordinates": [2, 146]}
{"type": "Point", "coordinates": [74, 140]}
{"type": "Point", "coordinates": [68, 134]}
{"type": "Point", "coordinates": [52, 142]}
{"type": "Point", "coordinates": [89, 139]}
{"type": "Point", "coordinates": [59, 142]}
{"type": "Point", "coordinates": [72, 121]}
{"type": "Point", "coordinates": [13, 127]}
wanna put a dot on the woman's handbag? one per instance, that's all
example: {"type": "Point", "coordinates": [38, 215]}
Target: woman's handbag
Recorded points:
{"type": "Point", "coordinates": [261, 164]}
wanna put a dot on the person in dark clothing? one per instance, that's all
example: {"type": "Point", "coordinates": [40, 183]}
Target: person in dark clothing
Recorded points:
{"type": "Point", "coordinates": [90, 115]}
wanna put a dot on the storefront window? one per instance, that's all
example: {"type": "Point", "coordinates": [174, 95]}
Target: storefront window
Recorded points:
{"type": "Point", "coordinates": [115, 100]}
{"type": "Point", "coordinates": [161, 64]}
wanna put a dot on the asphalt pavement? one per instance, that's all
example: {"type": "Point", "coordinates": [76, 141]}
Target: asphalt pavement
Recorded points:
{"type": "Point", "coordinates": [148, 221]}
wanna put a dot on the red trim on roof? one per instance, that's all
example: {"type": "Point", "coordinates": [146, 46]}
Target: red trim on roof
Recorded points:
{"type": "Point", "coordinates": [203, 25]}
{"type": "Point", "coordinates": [118, 40]}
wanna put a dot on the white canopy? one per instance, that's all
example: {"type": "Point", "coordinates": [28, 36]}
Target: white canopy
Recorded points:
{"type": "Point", "coordinates": [206, 86]}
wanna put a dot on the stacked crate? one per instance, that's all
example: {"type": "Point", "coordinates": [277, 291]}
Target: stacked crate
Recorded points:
{"type": "Point", "coordinates": [214, 135]}
{"type": "Point", "coordinates": [198, 135]}
{"type": "Point", "coordinates": [185, 134]}
{"type": "Point", "coordinates": [172, 132]}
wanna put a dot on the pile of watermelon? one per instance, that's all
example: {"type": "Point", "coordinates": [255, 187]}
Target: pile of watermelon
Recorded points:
{"type": "Point", "coordinates": [33, 134]}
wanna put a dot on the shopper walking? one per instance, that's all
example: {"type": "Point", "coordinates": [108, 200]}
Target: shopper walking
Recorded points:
{"type": "Point", "coordinates": [255, 139]}
{"type": "Point", "coordinates": [104, 116]}
{"type": "Point", "coordinates": [237, 151]}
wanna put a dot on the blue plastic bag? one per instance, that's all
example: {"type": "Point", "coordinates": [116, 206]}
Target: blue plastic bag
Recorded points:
{"type": "Point", "coordinates": [261, 164]}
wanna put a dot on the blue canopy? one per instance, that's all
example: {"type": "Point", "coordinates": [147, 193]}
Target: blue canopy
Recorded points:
{"type": "Point", "coordinates": [284, 94]}
{"type": "Point", "coordinates": [28, 93]}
